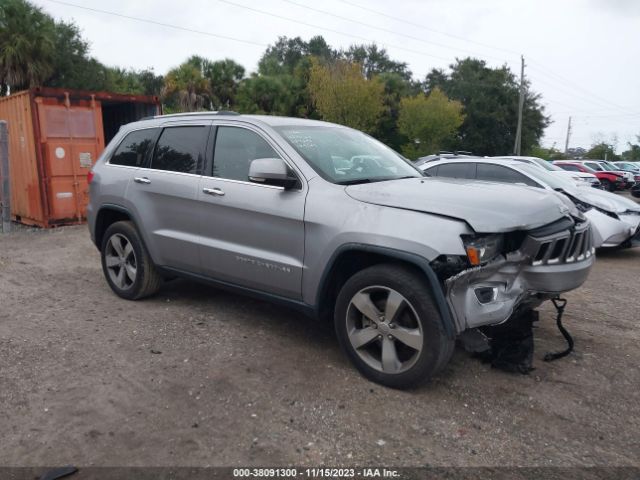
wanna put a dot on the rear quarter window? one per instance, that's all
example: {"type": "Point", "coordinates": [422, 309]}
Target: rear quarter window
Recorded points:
{"type": "Point", "coordinates": [134, 147]}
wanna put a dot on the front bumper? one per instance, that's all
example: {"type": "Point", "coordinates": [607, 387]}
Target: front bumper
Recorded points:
{"type": "Point", "coordinates": [541, 269]}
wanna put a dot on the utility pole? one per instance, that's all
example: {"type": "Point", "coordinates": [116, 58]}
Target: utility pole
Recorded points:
{"type": "Point", "coordinates": [5, 194]}
{"type": "Point", "coordinates": [566, 143]}
{"type": "Point", "coordinates": [518, 144]}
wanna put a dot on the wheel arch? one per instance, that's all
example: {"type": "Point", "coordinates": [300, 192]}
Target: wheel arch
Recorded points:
{"type": "Point", "coordinates": [351, 258]}
{"type": "Point", "coordinates": [108, 215]}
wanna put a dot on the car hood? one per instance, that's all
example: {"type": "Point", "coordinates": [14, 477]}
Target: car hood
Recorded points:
{"type": "Point", "coordinates": [603, 199]}
{"type": "Point", "coordinates": [487, 207]}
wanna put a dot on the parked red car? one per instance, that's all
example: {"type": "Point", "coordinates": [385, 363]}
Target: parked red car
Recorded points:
{"type": "Point", "coordinates": [610, 181]}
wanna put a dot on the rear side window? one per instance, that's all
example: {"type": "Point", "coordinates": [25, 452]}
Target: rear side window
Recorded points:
{"type": "Point", "coordinates": [595, 166]}
{"type": "Point", "coordinates": [457, 170]}
{"type": "Point", "coordinates": [498, 173]}
{"type": "Point", "coordinates": [571, 168]}
{"type": "Point", "coordinates": [133, 149]}
{"type": "Point", "coordinates": [179, 149]}
{"type": "Point", "coordinates": [235, 149]}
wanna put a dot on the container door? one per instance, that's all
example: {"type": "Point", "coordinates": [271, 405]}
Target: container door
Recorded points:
{"type": "Point", "coordinates": [71, 138]}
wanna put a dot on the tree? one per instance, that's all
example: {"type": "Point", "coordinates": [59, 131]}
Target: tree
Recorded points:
{"type": "Point", "coordinates": [396, 87]}
{"type": "Point", "coordinates": [224, 77]}
{"type": "Point", "coordinates": [265, 94]}
{"type": "Point", "coordinates": [375, 61]}
{"type": "Point", "coordinates": [185, 87]}
{"type": "Point", "coordinates": [633, 154]}
{"type": "Point", "coordinates": [490, 100]}
{"type": "Point", "coordinates": [428, 122]}
{"type": "Point", "coordinates": [601, 151]}
{"type": "Point", "coordinates": [342, 95]}
{"type": "Point", "coordinates": [26, 46]}
{"type": "Point", "coordinates": [547, 153]}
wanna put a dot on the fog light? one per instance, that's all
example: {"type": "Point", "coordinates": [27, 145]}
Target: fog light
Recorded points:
{"type": "Point", "coordinates": [486, 294]}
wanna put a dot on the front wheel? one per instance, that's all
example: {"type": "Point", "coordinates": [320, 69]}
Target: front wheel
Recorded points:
{"type": "Point", "coordinates": [390, 328]}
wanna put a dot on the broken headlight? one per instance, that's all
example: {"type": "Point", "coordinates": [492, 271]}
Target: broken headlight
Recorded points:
{"type": "Point", "coordinates": [481, 249]}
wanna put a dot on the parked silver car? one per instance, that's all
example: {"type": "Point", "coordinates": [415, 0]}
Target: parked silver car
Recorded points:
{"type": "Point", "coordinates": [330, 221]}
{"type": "Point", "coordinates": [578, 177]}
{"type": "Point", "coordinates": [615, 219]}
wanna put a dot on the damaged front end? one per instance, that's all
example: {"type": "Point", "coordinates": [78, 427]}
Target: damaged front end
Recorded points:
{"type": "Point", "coordinates": [532, 267]}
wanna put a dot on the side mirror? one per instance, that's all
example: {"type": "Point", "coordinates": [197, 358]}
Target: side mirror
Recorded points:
{"type": "Point", "coordinates": [272, 171]}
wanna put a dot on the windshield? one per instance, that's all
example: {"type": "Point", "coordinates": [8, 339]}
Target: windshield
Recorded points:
{"type": "Point", "coordinates": [344, 156]}
{"type": "Point", "coordinates": [552, 181]}
{"type": "Point", "coordinates": [546, 165]}
{"type": "Point", "coordinates": [608, 167]}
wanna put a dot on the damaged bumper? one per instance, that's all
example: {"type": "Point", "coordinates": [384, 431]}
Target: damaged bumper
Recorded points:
{"type": "Point", "coordinates": [542, 268]}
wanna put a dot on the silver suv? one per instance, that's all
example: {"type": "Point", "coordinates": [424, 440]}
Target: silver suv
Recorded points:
{"type": "Point", "coordinates": [330, 221]}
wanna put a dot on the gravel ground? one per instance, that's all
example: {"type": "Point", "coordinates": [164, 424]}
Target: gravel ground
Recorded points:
{"type": "Point", "coordinates": [197, 376]}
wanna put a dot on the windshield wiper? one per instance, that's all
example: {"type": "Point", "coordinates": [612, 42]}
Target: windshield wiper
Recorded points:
{"type": "Point", "coordinates": [372, 180]}
{"type": "Point", "coordinates": [354, 181]}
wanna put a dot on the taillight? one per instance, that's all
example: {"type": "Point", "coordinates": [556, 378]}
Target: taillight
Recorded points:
{"type": "Point", "coordinates": [90, 176]}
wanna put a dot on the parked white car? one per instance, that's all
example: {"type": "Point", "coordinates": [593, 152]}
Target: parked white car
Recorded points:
{"type": "Point", "coordinates": [615, 219]}
{"type": "Point", "coordinates": [579, 177]}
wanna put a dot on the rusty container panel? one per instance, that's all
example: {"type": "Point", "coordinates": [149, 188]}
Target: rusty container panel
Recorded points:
{"type": "Point", "coordinates": [26, 199]}
{"type": "Point", "coordinates": [71, 136]}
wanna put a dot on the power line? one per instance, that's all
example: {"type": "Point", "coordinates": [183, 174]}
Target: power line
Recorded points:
{"type": "Point", "coordinates": [382, 29]}
{"type": "Point", "coordinates": [296, 21]}
{"type": "Point", "coordinates": [558, 78]}
{"type": "Point", "coordinates": [574, 85]}
{"type": "Point", "coordinates": [162, 24]}
{"type": "Point", "coordinates": [429, 29]}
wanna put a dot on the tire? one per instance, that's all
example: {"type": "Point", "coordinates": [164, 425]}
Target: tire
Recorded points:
{"type": "Point", "coordinates": [126, 263]}
{"type": "Point", "coordinates": [606, 185]}
{"type": "Point", "coordinates": [373, 342]}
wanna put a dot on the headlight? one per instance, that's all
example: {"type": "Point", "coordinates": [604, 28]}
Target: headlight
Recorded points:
{"type": "Point", "coordinates": [482, 249]}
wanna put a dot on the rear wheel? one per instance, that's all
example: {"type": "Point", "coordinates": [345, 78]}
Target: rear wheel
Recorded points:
{"type": "Point", "coordinates": [126, 263]}
{"type": "Point", "coordinates": [389, 326]}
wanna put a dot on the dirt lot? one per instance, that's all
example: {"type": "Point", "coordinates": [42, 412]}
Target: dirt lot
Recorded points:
{"type": "Point", "coordinates": [240, 382]}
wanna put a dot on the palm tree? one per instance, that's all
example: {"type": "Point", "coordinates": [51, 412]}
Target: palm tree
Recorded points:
{"type": "Point", "coordinates": [185, 87]}
{"type": "Point", "coordinates": [26, 45]}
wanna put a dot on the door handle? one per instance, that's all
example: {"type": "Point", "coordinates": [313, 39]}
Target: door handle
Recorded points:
{"type": "Point", "coordinates": [213, 191]}
{"type": "Point", "coordinates": [143, 180]}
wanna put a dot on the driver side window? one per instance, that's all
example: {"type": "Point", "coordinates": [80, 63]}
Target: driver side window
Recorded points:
{"type": "Point", "coordinates": [235, 149]}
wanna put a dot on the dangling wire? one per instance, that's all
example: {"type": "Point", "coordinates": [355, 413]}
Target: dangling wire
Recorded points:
{"type": "Point", "coordinates": [560, 304]}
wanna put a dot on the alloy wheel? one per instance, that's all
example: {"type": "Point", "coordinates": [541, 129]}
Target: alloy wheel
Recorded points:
{"type": "Point", "coordinates": [384, 329]}
{"type": "Point", "coordinates": [120, 260]}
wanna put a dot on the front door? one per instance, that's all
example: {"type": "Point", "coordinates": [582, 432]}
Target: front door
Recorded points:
{"type": "Point", "coordinates": [252, 234]}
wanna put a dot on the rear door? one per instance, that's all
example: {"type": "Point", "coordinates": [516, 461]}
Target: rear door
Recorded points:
{"type": "Point", "coordinates": [253, 234]}
{"type": "Point", "coordinates": [164, 194]}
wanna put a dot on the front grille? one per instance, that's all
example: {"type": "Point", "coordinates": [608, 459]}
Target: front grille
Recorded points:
{"type": "Point", "coordinates": [573, 245]}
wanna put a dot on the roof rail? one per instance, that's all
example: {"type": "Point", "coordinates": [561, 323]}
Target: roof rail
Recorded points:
{"type": "Point", "coordinates": [184, 114]}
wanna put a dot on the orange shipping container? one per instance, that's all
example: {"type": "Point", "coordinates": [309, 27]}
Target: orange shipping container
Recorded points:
{"type": "Point", "coordinates": [55, 137]}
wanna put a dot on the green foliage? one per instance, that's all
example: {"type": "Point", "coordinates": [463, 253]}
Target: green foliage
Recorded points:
{"type": "Point", "coordinates": [266, 94]}
{"type": "Point", "coordinates": [26, 45]}
{"type": "Point", "coordinates": [224, 77]}
{"type": "Point", "coordinates": [342, 95]}
{"type": "Point", "coordinates": [185, 87]}
{"type": "Point", "coordinates": [602, 150]}
{"type": "Point", "coordinates": [375, 61]}
{"type": "Point", "coordinates": [490, 100]}
{"type": "Point", "coordinates": [633, 154]}
{"type": "Point", "coordinates": [546, 153]}
{"type": "Point", "coordinates": [428, 122]}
